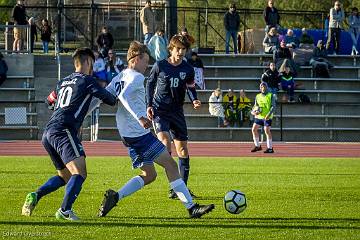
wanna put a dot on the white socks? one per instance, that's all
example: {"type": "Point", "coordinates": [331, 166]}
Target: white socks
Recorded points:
{"type": "Point", "coordinates": [269, 143]}
{"type": "Point", "coordinates": [133, 185]}
{"type": "Point", "coordinates": [256, 141]}
{"type": "Point", "coordinates": [182, 192]}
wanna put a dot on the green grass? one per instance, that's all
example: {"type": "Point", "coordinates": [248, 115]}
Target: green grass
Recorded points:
{"type": "Point", "coordinates": [288, 198]}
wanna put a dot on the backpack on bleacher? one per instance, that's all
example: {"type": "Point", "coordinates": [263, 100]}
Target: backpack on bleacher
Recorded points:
{"type": "Point", "coordinates": [304, 98]}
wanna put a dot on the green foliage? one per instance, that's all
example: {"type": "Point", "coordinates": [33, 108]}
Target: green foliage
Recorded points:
{"type": "Point", "coordinates": [216, 33]}
{"type": "Point", "coordinates": [288, 198]}
{"type": "Point", "coordinates": [5, 14]}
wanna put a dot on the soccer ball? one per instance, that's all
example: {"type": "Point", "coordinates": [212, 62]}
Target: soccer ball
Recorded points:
{"type": "Point", "coordinates": [235, 202]}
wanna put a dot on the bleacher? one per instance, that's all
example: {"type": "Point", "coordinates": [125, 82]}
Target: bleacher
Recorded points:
{"type": "Point", "coordinates": [328, 117]}
{"type": "Point", "coordinates": [17, 95]}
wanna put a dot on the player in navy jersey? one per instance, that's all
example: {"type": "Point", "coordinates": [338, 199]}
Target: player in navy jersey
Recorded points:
{"type": "Point", "coordinates": [74, 94]}
{"type": "Point", "coordinates": [169, 81]}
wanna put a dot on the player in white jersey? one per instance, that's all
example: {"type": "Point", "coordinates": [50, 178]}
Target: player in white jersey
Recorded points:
{"type": "Point", "coordinates": [144, 148]}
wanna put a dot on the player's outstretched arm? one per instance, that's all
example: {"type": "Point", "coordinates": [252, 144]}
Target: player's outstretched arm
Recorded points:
{"type": "Point", "coordinates": [151, 84]}
{"type": "Point", "coordinates": [101, 93]}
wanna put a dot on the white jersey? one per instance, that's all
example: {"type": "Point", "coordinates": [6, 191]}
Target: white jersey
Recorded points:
{"type": "Point", "coordinates": [128, 86]}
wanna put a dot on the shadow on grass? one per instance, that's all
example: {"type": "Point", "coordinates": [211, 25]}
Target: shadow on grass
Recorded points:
{"type": "Point", "coordinates": [226, 223]}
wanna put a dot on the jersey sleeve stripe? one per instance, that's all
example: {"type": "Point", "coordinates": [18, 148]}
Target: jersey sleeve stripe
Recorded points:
{"type": "Point", "coordinates": [81, 106]}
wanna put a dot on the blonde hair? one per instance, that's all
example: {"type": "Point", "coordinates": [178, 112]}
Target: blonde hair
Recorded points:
{"type": "Point", "coordinates": [136, 49]}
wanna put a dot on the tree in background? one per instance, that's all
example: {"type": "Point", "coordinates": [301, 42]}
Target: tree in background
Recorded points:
{"type": "Point", "coordinates": [5, 14]}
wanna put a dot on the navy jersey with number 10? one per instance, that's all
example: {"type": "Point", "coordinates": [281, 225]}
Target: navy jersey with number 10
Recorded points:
{"type": "Point", "coordinates": [167, 85]}
{"type": "Point", "coordinates": [74, 94]}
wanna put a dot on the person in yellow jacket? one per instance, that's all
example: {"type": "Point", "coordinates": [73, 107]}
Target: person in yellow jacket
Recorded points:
{"type": "Point", "coordinates": [243, 107]}
{"type": "Point", "coordinates": [263, 110]}
{"type": "Point", "coordinates": [229, 104]}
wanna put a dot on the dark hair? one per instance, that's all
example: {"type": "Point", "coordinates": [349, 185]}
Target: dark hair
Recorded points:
{"type": "Point", "coordinates": [177, 41]}
{"type": "Point", "coordinates": [194, 53]}
{"type": "Point", "coordinates": [1, 56]}
{"type": "Point", "coordinates": [355, 9]}
{"type": "Point", "coordinates": [81, 54]}
{"type": "Point", "coordinates": [232, 5]}
{"type": "Point", "coordinates": [148, 1]}
{"type": "Point", "coordinates": [183, 29]}
{"type": "Point", "coordinates": [159, 29]}
{"type": "Point", "coordinates": [136, 49]}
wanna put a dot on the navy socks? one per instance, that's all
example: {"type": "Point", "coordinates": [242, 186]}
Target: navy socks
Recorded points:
{"type": "Point", "coordinates": [52, 184]}
{"type": "Point", "coordinates": [72, 191]}
{"type": "Point", "coordinates": [184, 168]}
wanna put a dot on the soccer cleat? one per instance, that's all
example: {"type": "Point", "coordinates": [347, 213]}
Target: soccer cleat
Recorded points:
{"type": "Point", "coordinates": [30, 203]}
{"type": "Point", "coordinates": [269, 150]}
{"type": "Point", "coordinates": [110, 199]}
{"type": "Point", "coordinates": [197, 210]}
{"type": "Point", "coordinates": [255, 149]}
{"type": "Point", "coordinates": [67, 215]}
{"type": "Point", "coordinates": [173, 195]}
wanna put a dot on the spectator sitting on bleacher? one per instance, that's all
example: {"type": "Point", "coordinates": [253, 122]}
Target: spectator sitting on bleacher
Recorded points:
{"type": "Point", "coordinates": [287, 80]}
{"type": "Point", "coordinates": [282, 54]}
{"type": "Point", "coordinates": [114, 65]}
{"type": "Point", "coordinates": [99, 67]}
{"type": "Point", "coordinates": [291, 40]}
{"type": "Point", "coordinates": [184, 32]}
{"type": "Point", "coordinates": [306, 38]}
{"type": "Point", "coordinates": [3, 69]}
{"type": "Point", "coordinates": [229, 102]}
{"type": "Point", "coordinates": [320, 64]}
{"type": "Point", "coordinates": [243, 104]}
{"type": "Point", "coordinates": [158, 45]}
{"type": "Point", "coordinates": [215, 106]}
{"type": "Point", "coordinates": [105, 41]}
{"type": "Point", "coordinates": [198, 66]}
{"type": "Point", "coordinates": [272, 77]}
{"type": "Point", "coordinates": [271, 41]}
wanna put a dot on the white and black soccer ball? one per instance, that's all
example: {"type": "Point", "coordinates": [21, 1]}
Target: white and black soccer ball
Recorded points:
{"type": "Point", "coordinates": [235, 201]}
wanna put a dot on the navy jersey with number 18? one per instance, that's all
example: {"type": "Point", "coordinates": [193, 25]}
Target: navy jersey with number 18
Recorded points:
{"type": "Point", "coordinates": [167, 85]}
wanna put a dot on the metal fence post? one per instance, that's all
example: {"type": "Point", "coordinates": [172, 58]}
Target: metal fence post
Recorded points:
{"type": "Point", "coordinates": [92, 23]}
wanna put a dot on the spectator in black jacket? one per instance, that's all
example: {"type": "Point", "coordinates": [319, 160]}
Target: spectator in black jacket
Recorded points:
{"type": "Point", "coordinates": [232, 24]}
{"type": "Point", "coordinates": [272, 77]}
{"type": "Point", "coordinates": [282, 54]}
{"type": "Point", "coordinates": [45, 34]}
{"type": "Point", "coordinates": [105, 41]}
{"type": "Point", "coordinates": [320, 64]}
{"type": "Point", "coordinates": [19, 16]}
{"type": "Point", "coordinates": [33, 33]}
{"type": "Point", "coordinates": [3, 69]}
{"type": "Point", "coordinates": [271, 17]}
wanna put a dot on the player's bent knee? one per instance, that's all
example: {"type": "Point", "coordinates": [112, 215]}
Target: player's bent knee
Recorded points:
{"type": "Point", "coordinates": [149, 177]}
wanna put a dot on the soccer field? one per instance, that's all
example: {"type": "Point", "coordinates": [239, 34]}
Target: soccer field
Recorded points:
{"type": "Point", "coordinates": [288, 198]}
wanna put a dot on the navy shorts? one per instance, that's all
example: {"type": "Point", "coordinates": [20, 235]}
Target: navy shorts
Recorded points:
{"type": "Point", "coordinates": [173, 122]}
{"type": "Point", "coordinates": [144, 150]}
{"type": "Point", "coordinates": [263, 122]}
{"type": "Point", "coordinates": [62, 145]}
